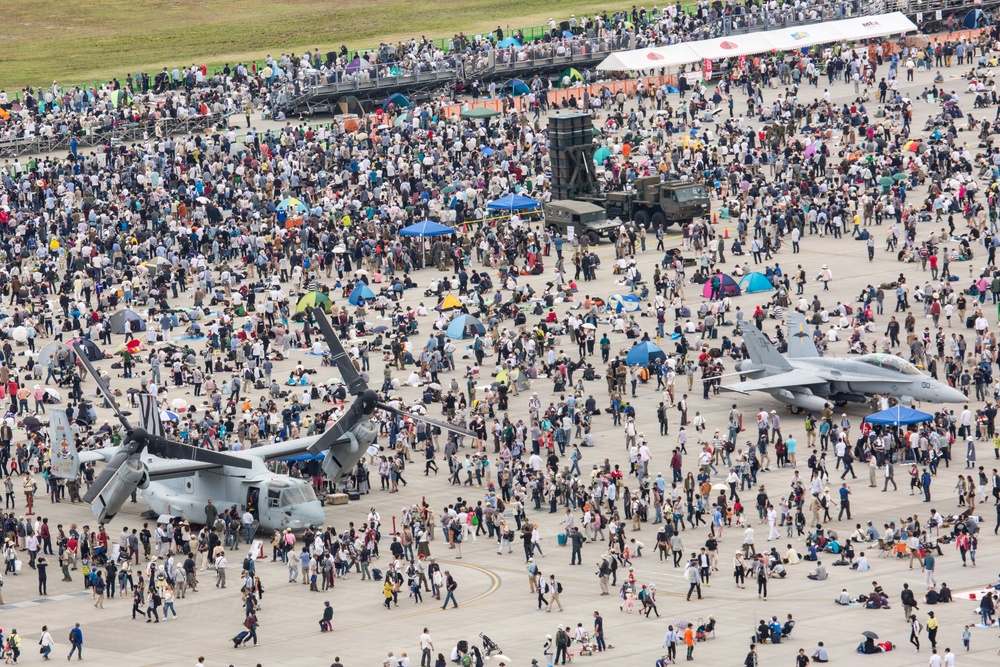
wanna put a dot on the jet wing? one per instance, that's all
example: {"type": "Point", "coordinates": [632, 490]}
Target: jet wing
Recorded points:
{"type": "Point", "coordinates": [833, 375]}
{"type": "Point", "coordinates": [794, 378]}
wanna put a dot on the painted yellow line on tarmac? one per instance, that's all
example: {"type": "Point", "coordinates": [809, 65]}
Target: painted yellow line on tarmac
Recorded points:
{"type": "Point", "coordinates": [494, 585]}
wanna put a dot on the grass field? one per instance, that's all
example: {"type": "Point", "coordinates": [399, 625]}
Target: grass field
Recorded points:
{"type": "Point", "coordinates": [83, 41]}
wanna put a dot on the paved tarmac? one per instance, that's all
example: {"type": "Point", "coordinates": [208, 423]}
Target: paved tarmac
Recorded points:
{"type": "Point", "coordinates": [493, 589]}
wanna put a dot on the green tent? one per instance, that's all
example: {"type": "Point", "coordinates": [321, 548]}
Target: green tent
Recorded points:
{"type": "Point", "coordinates": [351, 104]}
{"type": "Point", "coordinates": [569, 76]}
{"type": "Point", "coordinates": [479, 114]}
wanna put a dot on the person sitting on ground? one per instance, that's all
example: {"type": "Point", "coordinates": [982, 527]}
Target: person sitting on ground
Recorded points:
{"type": "Point", "coordinates": [788, 626]}
{"type": "Point", "coordinates": [792, 556]}
{"type": "Point", "coordinates": [868, 646]}
{"type": "Point", "coordinates": [820, 654]}
{"type": "Point", "coordinates": [844, 598]}
{"type": "Point", "coordinates": [944, 595]}
{"type": "Point", "coordinates": [811, 555]}
{"type": "Point", "coordinates": [820, 574]}
{"type": "Point", "coordinates": [763, 632]}
{"type": "Point", "coordinates": [861, 563]}
{"type": "Point", "coordinates": [877, 601]}
{"type": "Point", "coordinates": [932, 596]}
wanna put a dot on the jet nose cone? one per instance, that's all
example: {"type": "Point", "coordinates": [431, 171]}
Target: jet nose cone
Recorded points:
{"type": "Point", "coordinates": [952, 395]}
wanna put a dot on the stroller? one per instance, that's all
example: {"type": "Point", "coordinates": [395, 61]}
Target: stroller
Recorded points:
{"type": "Point", "coordinates": [489, 646]}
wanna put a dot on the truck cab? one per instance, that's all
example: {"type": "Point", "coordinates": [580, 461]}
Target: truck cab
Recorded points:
{"type": "Point", "coordinates": [584, 217]}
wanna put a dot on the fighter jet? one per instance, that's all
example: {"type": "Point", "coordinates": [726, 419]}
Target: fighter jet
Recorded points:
{"type": "Point", "coordinates": [806, 381]}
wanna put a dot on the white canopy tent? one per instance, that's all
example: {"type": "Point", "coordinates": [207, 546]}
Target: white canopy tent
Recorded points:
{"type": "Point", "coordinates": [785, 39]}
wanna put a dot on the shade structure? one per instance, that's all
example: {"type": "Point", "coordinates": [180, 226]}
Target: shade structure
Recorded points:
{"type": "Point", "coordinates": [52, 353]}
{"type": "Point", "coordinates": [291, 204]}
{"type": "Point", "coordinates": [89, 348]}
{"type": "Point", "coordinates": [450, 302]}
{"type": "Point", "coordinates": [516, 86]}
{"type": "Point", "coordinates": [362, 291]}
{"type": "Point", "coordinates": [398, 99]}
{"type": "Point", "coordinates": [784, 39]}
{"type": "Point", "coordinates": [624, 303]}
{"type": "Point", "coordinates": [513, 203]}
{"type": "Point", "coordinates": [465, 326]}
{"type": "Point", "coordinates": [729, 286]}
{"type": "Point", "coordinates": [602, 154]}
{"type": "Point", "coordinates": [124, 317]}
{"type": "Point", "coordinates": [643, 353]}
{"type": "Point", "coordinates": [357, 64]}
{"type": "Point", "coordinates": [755, 282]}
{"type": "Point", "coordinates": [570, 76]}
{"type": "Point", "coordinates": [899, 416]}
{"type": "Point", "coordinates": [508, 42]}
{"type": "Point", "coordinates": [312, 300]}
{"type": "Point", "coordinates": [426, 228]}
{"type": "Point", "coordinates": [479, 113]}
{"type": "Point", "coordinates": [351, 104]}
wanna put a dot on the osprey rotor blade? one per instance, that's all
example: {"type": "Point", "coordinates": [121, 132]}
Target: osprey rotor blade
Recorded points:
{"type": "Point", "coordinates": [355, 383]}
{"type": "Point", "coordinates": [170, 449]}
{"type": "Point", "coordinates": [340, 427]}
{"type": "Point", "coordinates": [105, 392]}
{"type": "Point", "coordinates": [442, 425]}
{"type": "Point", "coordinates": [108, 474]}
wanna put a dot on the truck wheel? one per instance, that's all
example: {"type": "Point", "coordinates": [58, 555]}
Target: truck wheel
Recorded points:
{"type": "Point", "coordinates": [659, 219]}
{"type": "Point", "coordinates": [642, 219]}
{"type": "Point", "coordinates": [595, 238]}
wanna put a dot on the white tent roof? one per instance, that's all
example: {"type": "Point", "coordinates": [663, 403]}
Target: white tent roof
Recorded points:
{"type": "Point", "coordinates": [864, 27]}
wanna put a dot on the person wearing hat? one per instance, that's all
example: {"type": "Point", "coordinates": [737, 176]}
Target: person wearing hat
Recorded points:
{"type": "Point", "coordinates": [326, 623]}
{"type": "Point", "coordinates": [825, 276]}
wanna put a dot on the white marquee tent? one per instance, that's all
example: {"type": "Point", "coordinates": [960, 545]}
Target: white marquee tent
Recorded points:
{"type": "Point", "coordinates": [785, 39]}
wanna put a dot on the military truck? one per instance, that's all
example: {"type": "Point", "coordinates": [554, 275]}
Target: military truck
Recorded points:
{"type": "Point", "coordinates": [586, 218]}
{"type": "Point", "coordinates": [653, 203]}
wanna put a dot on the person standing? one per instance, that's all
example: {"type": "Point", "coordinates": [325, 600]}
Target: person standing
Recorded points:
{"type": "Point", "coordinates": [670, 643]}
{"type": "Point", "coordinates": [932, 629]}
{"type": "Point", "coordinates": [555, 590]}
{"type": "Point", "coordinates": [449, 585]}
{"type": "Point", "coordinates": [693, 577]}
{"type": "Point", "coordinates": [251, 625]}
{"type": "Point", "coordinates": [562, 645]}
{"type": "Point", "coordinates": [915, 633]}
{"type": "Point", "coordinates": [42, 565]}
{"type": "Point", "coordinates": [75, 643]}
{"type": "Point", "coordinates": [45, 641]}
{"type": "Point", "coordinates": [426, 648]}
{"type": "Point", "coordinates": [689, 641]}
{"type": "Point", "coordinates": [99, 590]}
{"type": "Point", "coordinates": [599, 631]}
{"type": "Point", "coordinates": [220, 570]}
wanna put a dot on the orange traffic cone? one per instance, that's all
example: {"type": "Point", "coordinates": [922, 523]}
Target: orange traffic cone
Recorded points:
{"type": "Point", "coordinates": [715, 219]}
{"type": "Point", "coordinates": [726, 235]}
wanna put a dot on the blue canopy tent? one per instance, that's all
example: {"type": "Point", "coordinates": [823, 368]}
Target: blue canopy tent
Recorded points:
{"type": "Point", "coordinates": [516, 86]}
{"type": "Point", "coordinates": [899, 416]}
{"type": "Point", "coordinates": [465, 326]}
{"type": "Point", "coordinates": [424, 229]}
{"type": "Point", "coordinates": [755, 282]}
{"type": "Point", "coordinates": [976, 18]}
{"type": "Point", "coordinates": [643, 353]}
{"type": "Point", "coordinates": [512, 203]}
{"type": "Point", "coordinates": [628, 303]}
{"type": "Point", "coordinates": [360, 292]}
{"type": "Point", "coordinates": [508, 42]}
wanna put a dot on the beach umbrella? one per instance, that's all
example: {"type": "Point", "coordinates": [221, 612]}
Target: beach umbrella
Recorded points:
{"type": "Point", "coordinates": [179, 404]}
{"type": "Point", "coordinates": [900, 176]}
{"type": "Point", "coordinates": [869, 634]}
{"type": "Point", "coordinates": [465, 326]}
{"type": "Point", "coordinates": [32, 422]}
{"type": "Point", "coordinates": [912, 146]}
{"type": "Point", "coordinates": [20, 334]}
{"type": "Point", "coordinates": [402, 119]}
{"type": "Point", "coordinates": [886, 181]}
{"type": "Point", "coordinates": [357, 65]}
{"type": "Point", "coordinates": [602, 154]}
{"type": "Point", "coordinates": [132, 346]}
{"type": "Point", "coordinates": [169, 415]}
{"type": "Point", "coordinates": [53, 394]}
{"type": "Point", "coordinates": [312, 300]}
{"type": "Point", "coordinates": [362, 291]}
{"type": "Point", "coordinates": [450, 302]}
{"type": "Point", "coordinates": [292, 204]}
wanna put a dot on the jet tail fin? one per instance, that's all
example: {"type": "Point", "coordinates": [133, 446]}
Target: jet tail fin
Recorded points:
{"type": "Point", "coordinates": [800, 343]}
{"type": "Point", "coordinates": [150, 415]}
{"type": "Point", "coordinates": [65, 459]}
{"type": "Point", "coordinates": [762, 351]}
